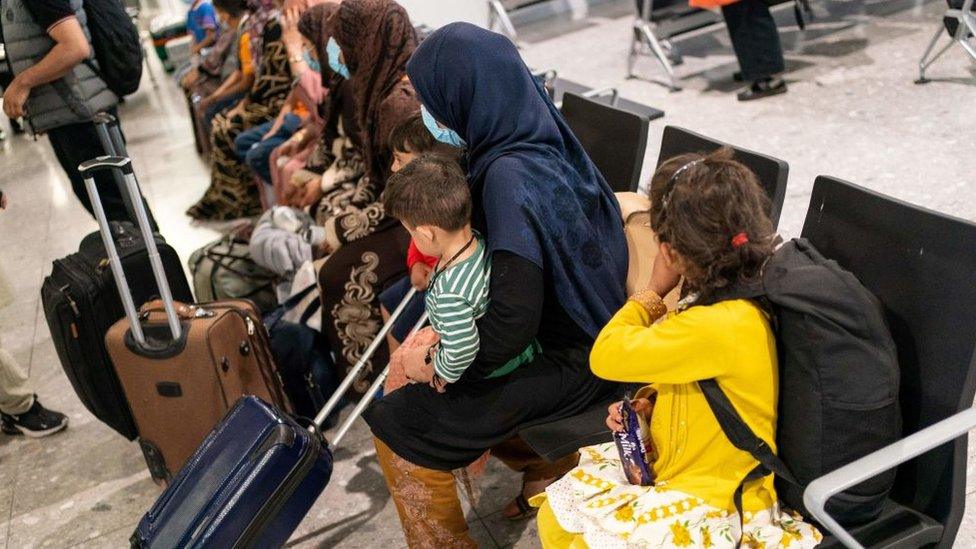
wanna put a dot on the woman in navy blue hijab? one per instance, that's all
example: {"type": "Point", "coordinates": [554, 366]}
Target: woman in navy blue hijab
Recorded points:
{"type": "Point", "coordinates": [559, 264]}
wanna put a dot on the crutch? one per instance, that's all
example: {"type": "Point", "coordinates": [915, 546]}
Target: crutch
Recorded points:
{"type": "Point", "coordinates": [371, 393]}
{"type": "Point", "coordinates": [343, 388]}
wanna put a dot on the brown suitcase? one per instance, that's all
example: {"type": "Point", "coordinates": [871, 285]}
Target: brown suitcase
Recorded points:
{"type": "Point", "coordinates": [182, 367]}
{"type": "Point", "coordinates": [179, 392]}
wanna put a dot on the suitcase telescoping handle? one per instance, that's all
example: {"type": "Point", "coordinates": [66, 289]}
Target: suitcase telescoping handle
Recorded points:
{"type": "Point", "coordinates": [371, 393]}
{"type": "Point", "coordinates": [124, 166]}
{"type": "Point", "coordinates": [110, 136]}
{"type": "Point", "coordinates": [107, 128]}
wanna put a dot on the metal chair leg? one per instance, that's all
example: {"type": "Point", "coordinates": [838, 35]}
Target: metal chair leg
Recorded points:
{"type": "Point", "coordinates": [660, 54]}
{"type": "Point", "coordinates": [966, 35]}
{"type": "Point", "coordinates": [923, 63]}
{"type": "Point", "coordinates": [635, 46]}
{"type": "Point", "coordinates": [498, 14]}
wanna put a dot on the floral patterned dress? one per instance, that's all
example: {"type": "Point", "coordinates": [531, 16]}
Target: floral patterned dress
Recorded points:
{"type": "Point", "coordinates": [596, 501]}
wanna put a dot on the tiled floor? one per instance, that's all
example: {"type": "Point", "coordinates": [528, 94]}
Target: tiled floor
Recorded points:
{"type": "Point", "coordinates": [852, 112]}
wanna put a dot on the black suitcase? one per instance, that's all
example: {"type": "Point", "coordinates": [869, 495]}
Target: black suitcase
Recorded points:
{"type": "Point", "coordinates": [81, 302]}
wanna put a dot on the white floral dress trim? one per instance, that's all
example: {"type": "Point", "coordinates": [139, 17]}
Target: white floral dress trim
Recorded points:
{"type": "Point", "coordinates": [595, 500]}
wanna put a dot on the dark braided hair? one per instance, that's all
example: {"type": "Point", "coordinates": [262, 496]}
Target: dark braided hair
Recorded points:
{"type": "Point", "coordinates": [699, 204]}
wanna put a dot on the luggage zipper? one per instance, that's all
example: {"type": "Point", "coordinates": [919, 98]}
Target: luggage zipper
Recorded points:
{"type": "Point", "coordinates": [71, 302]}
{"type": "Point", "coordinates": [275, 503]}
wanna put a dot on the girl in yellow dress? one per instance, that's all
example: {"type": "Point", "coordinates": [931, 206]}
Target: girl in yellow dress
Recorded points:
{"type": "Point", "coordinates": [709, 213]}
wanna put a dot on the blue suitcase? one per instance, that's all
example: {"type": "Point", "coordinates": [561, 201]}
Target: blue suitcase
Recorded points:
{"type": "Point", "coordinates": [249, 484]}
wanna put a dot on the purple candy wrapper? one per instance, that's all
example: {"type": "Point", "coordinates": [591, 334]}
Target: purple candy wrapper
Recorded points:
{"type": "Point", "coordinates": [633, 444]}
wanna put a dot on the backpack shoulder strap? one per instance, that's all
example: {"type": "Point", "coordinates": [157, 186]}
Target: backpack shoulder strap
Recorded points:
{"type": "Point", "coordinates": [740, 435]}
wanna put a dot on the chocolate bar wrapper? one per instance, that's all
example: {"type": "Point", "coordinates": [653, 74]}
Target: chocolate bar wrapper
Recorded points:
{"type": "Point", "coordinates": [632, 444]}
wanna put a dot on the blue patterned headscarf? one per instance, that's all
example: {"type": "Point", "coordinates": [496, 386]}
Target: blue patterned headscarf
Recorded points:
{"type": "Point", "coordinates": [537, 193]}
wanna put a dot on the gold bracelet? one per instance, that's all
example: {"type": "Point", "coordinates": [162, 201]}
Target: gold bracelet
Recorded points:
{"type": "Point", "coordinates": [652, 303]}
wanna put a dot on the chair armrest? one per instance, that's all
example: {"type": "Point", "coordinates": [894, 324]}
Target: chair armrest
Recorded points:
{"type": "Point", "coordinates": [610, 92]}
{"type": "Point", "coordinates": [820, 490]}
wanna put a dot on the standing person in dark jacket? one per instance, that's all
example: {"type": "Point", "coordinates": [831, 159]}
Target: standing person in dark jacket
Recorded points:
{"type": "Point", "coordinates": [56, 90]}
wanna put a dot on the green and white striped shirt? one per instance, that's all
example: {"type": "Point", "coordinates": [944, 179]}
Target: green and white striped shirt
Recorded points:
{"type": "Point", "coordinates": [456, 298]}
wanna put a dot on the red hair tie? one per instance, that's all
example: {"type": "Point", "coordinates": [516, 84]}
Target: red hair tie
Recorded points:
{"type": "Point", "coordinates": [739, 240]}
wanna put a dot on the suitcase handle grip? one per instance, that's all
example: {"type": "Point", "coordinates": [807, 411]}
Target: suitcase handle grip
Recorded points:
{"type": "Point", "coordinates": [104, 118]}
{"type": "Point", "coordinates": [105, 163]}
{"type": "Point", "coordinates": [130, 188]}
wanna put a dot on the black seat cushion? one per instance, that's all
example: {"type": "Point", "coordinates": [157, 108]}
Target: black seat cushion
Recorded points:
{"type": "Point", "coordinates": [898, 526]}
{"type": "Point", "coordinates": [558, 439]}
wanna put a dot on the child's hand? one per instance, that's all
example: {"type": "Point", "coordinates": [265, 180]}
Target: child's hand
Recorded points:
{"type": "Point", "coordinates": [663, 276]}
{"type": "Point", "coordinates": [420, 275]}
{"type": "Point", "coordinates": [615, 420]}
{"type": "Point", "coordinates": [439, 384]}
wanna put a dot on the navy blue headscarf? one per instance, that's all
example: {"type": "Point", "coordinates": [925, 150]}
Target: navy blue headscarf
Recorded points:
{"type": "Point", "coordinates": [541, 197]}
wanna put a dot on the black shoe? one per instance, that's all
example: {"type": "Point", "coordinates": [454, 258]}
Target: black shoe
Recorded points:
{"type": "Point", "coordinates": [36, 422]}
{"type": "Point", "coordinates": [763, 88]}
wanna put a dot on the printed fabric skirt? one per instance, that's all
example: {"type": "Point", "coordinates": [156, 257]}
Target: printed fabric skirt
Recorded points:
{"type": "Point", "coordinates": [351, 281]}
{"type": "Point", "coordinates": [233, 192]}
{"type": "Point", "coordinates": [595, 502]}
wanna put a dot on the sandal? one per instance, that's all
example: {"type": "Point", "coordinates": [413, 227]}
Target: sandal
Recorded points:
{"type": "Point", "coordinates": [523, 508]}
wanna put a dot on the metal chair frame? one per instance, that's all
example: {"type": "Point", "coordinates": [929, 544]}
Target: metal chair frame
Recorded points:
{"type": "Point", "coordinates": [965, 36]}
{"type": "Point", "coordinates": [643, 35]}
{"type": "Point", "coordinates": [498, 17]}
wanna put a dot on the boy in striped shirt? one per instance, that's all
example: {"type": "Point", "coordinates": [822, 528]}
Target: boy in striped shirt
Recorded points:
{"type": "Point", "coordinates": [430, 196]}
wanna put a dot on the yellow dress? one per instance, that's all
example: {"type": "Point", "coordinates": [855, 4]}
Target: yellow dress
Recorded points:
{"type": "Point", "coordinates": [697, 469]}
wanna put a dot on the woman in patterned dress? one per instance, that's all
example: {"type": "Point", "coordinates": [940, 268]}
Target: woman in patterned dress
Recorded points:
{"type": "Point", "coordinates": [233, 192]}
{"type": "Point", "coordinates": [367, 249]}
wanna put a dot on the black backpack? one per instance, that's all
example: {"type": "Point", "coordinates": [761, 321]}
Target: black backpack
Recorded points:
{"type": "Point", "coordinates": [839, 381]}
{"type": "Point", "coordinates": [115, 40]}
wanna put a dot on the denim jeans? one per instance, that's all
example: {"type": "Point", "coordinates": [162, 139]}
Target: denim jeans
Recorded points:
{"type": "Point", "coordinates": [256, 152]}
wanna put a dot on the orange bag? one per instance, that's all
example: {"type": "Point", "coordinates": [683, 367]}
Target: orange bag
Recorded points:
{"type": "Point", "coordinates": [710, 4]}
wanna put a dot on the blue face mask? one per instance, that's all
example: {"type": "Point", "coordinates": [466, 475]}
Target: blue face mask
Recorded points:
{"type": "Point", "coordinates": [334, 52]}
{"type": "Point", "coordinates": [311, 62]}
{"type": "Point", "coordinates": [443, 135]}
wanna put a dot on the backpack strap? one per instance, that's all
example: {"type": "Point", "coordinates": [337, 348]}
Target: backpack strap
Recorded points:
{"type": "Point", "coordinates": [295, 300]}
{"type": "Point", "coordinates": [740, 435]}
{"type": "Point", "coordinates": [757, 473]}
{"type": "Point", "coordinates": [743, 438]}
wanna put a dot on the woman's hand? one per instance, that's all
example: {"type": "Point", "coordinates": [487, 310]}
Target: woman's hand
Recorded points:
{"type": "Point", "coordinates": [313, 193]}
{"type": "Point", "coordinates": [615, 419]}
{"type": "Point", "coordinates": [236, 111]}
{"type": "Point", "coordinates": [415, 365]}
{"type": "Point", "coordinates": [207, 102]}
{"type": "Point", "coordinates": [663, 276]}
{"type": "Point", "coordinates": [287, 148]}
{"type": "Point", "coordinates": [420, 275]}
{"type": "Point", "coordinates": [190, 78]}
{"type": "Point", "coordinates": [289, 32]}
